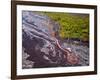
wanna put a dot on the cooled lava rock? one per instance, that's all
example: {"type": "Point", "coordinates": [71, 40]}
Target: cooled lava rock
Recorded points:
{"type": "Point", "coordinates": [39, 49]}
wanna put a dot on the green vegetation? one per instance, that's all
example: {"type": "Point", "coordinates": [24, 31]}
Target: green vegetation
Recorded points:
{"type": "Point", "coordinates": [71, 25]}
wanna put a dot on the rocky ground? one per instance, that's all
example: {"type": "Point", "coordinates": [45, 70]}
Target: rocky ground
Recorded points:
{"type": "Point", "coordinates": [39, 49]}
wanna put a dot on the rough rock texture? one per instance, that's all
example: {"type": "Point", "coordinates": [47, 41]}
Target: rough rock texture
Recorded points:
{"type": "Point", "coordinates": [39, 49]}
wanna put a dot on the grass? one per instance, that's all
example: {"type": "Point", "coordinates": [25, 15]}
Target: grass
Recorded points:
{"type": "Point", "coordinates": [71, 25]}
